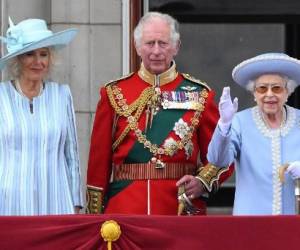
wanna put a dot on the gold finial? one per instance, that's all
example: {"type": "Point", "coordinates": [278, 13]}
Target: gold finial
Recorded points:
{"type": "Point", "coordinates": [281, 171]}
{"type": "Point", "coordinates": [110, 231]}
{"type": "Point", "coordinates": [181, 205]}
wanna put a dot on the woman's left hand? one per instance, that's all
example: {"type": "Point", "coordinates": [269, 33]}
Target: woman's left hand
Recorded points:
{"type": "Point", "coordinates": [294, 169]}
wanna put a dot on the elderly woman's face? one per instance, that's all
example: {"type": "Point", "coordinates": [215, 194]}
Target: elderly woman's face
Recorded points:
{"type": "Point", "coordinates": [34, 65]}
{"type": "Point", "coordinates": [270, 93]}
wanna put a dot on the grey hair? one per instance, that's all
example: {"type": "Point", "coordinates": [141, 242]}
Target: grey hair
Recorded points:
{"type": "Point", "coordinates": [174, 27]}
{"type": "Point", "coordinates": [290, 84]}
{"type": "Point", "coordinates": [14, 69]}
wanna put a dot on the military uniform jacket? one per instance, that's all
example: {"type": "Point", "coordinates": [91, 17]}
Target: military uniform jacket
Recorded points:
{"type": "Point", "coordinates": [138, 124]}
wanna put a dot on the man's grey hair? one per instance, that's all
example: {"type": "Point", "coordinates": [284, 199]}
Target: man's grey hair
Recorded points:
{"type": "Point", "coordinates": [174, 27]}
{"type": "Point", "coordinates": [290, 84]}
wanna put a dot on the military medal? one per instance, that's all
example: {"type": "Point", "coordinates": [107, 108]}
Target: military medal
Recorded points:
{"type": "Point", "coordinates": [150, 101]}
{"type": "Point", "coordinates": [188, 88]}
{"type": "Point", "coordinates": [158, 163]}
{"type": "Point", "coordinates": [181, 128]}
{"type": "Point", "coordinates": [190, 100]}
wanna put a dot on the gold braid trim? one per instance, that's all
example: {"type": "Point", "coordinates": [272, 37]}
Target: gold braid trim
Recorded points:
{"type": "Point", "coordinates": [119, 79]}
{"type": "Point", "coordinates": [193, 79]}
{"type": "Point", "coordinates": [209, 175]}
{"type": "Point", "coordinates": [137, 105]}
{"type": "Point", "coordinates": [121, 138]}
{"type": "Point", "coordinates": [122, 109]}
{"type": "Point", "coordinates": [94, 196]}
{"type": "Point", "coordinates": [179, 144]}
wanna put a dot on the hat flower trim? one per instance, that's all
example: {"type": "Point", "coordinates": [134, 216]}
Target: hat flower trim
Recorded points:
{"type": "Point", "coordinates": [14, 37]}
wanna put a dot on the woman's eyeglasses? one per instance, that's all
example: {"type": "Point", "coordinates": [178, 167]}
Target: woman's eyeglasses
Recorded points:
{"type": "Point", "coordinates": [276, 89]}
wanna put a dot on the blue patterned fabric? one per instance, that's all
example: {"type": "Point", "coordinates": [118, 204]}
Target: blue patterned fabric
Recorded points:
{"type": "Point", "coordinates": [39, 161]}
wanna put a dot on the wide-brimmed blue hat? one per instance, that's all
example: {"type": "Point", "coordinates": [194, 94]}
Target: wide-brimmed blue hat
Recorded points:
{"type": "Point", "coordinates": [278, 63]}
{"type": "Point", "coordinates": [32, 34]}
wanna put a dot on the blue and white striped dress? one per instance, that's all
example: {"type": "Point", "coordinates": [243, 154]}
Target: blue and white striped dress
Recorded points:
{"type": "Point", "coordinates": [39, 161]}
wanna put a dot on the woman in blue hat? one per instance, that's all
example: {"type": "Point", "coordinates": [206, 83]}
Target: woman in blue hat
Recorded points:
{"type": "Point", "coordinates": [264, 140]}
{"type": "Point", "coordinates": [39, 165]}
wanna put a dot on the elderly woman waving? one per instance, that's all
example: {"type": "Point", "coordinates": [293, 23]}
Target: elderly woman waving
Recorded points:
{"type": "Point", "coordinates": [39, 165]}
{"type": "Point", "coordinates": [263, 138]}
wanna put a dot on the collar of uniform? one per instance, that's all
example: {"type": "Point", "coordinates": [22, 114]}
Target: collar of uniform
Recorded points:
{"type": "Point", "coordinates": [161, 79]}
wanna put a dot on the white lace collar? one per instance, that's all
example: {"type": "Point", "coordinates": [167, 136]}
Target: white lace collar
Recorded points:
{"type": "Point", "coordinates": [283, 130]}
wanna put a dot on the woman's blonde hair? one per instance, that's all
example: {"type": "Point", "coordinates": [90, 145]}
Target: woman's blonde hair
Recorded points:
{"type": "Point", "coordinates": [14, 67]}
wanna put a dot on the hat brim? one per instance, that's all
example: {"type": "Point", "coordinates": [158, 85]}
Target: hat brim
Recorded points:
{"type": "Point", "coordinates": [242, 74]}
{"type": "Point", "coordinates": [57, 40]}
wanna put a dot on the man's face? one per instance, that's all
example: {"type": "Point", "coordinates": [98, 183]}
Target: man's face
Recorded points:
{"type": "Point", "coordinates": [156, 48]}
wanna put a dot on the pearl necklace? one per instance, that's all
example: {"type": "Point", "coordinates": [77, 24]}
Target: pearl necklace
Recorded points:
{"type": "Point", "coordinates": [19, 89]}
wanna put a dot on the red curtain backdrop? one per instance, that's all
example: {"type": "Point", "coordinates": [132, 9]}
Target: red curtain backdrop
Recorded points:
{"type": "Point", "coordinates": [151, 232]}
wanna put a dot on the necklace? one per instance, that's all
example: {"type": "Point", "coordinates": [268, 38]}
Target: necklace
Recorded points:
{"type": "Point", "coordinates": [19, 89]}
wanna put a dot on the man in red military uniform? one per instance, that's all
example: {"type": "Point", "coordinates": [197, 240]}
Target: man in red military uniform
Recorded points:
{"type": "Point", "coordinates": [151, 132]}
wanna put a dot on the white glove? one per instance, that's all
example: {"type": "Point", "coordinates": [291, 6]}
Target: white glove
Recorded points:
{"type": "Point", "coordinates": [227, 109]}
{"type": "Point", "coordinates": [294, 169]}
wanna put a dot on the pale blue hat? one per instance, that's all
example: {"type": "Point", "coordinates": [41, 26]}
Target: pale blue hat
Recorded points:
{"type": "Point", "coordinates": [32, 34]}
{"type": "Point", "coordinates": [278, 63]}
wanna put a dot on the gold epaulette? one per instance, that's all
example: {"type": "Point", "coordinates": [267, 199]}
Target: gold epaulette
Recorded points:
{"type": "Point", "coordinates": [94, 197]}
{"type": "Point", "coordinates": [209, 175]}
{"type": "Point", "coordinates": [193, 79]}
{"type": "Point", "coordinates": [121, 78]}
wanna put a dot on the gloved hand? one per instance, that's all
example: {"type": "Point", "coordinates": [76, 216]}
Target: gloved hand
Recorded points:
{"type": "Point", "coordinates": [227, 109]}
{"type": "Point", "coordinates": [294, 169]}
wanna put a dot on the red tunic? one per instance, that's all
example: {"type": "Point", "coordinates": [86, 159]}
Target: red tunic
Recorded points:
{"type": "Point", "coordinates": [143, 196]}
